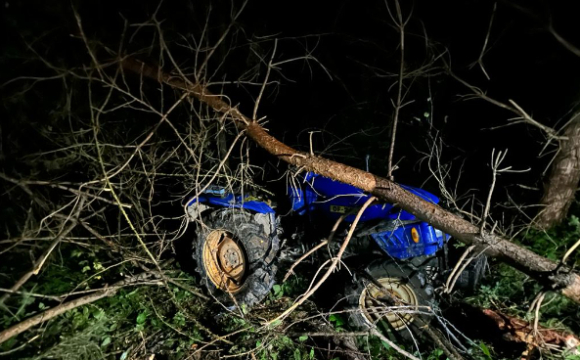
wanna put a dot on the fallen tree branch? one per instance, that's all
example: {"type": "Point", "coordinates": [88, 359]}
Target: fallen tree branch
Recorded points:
{"type": "Point", "coordinates": [69, 305]}
{"type": "Point", "coordinates": [535, 336]}
{"type": "Point", "coordinates": [542, 269]}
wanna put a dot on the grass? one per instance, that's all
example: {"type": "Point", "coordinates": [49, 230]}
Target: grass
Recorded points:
{"type": "Point", "coordinates": [173, 323]}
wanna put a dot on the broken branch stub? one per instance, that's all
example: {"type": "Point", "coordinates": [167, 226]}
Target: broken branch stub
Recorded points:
{"type": "Point", "coordinates": [540, 268]}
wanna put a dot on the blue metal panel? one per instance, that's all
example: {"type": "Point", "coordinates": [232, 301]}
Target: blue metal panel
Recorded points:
{"type": "Point", "coordinates": [399, 242]}
{"type": "Point", "coordinates": [302, 200]}
{"type": "Point", "coordinates": [334, 198]}
{"type": "Point", "coordinates": [231, 201]}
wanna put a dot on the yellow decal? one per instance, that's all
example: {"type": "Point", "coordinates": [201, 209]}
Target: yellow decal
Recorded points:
{"type": "Point", "coordinates": [415, 235]}
{"type": "Point", "coordinates": [338, 209]}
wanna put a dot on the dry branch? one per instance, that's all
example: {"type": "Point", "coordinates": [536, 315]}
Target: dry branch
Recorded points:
{"type": "Point", "coordinates": [521, 331]}
{"type": "Point", "coordinates": [542, 269]}
{"type": "Point", "coordinates": [40, 262]}
{"type": "Point", "coordinates": [69, 305]}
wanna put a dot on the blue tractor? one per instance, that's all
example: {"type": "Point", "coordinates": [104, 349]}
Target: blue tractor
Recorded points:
{"type": "Point", "coordinates": [238, 241]}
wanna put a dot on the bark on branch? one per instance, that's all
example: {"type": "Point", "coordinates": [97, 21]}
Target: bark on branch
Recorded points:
{"type": "Point", "coordinates": [561, 184]}
{"type": "Point", "coordinates": [544, 270]}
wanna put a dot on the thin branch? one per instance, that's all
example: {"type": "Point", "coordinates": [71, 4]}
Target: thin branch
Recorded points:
{"type": "Point", "coordinates": [378, 334]}
{"type": "Point", "coordinates": [484, 48]}
{"type": "Point", "coordinates": [401, 27]}
{"type": "Point", "coordinates": [254, 116]}
{"type": "Point", "coordinates": [61, 309]}
{"type": "Point", "coordinates": [23, 184]}
{"type": "Point", "coordinates": [26, 293]}
{"type": "Point", "coordinates": [570, 47]}
{"type": "Point", "coordinates": [307, 254]}
{"type": "Point", "coordinates": [38, 264]}
{"type": "Point", "coordinates": [514, 108]}
{"type": "Point", "coordinates": [332, 266]}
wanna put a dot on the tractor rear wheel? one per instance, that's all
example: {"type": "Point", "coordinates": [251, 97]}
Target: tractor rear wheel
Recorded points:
{"type": "Point", "coordinates": [235, 252]}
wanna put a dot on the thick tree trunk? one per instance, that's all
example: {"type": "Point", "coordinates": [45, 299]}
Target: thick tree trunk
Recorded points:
{"type": "Point", "coordinates": [562, 182]}
{"type": "Point", "coordinates": [540, 268]}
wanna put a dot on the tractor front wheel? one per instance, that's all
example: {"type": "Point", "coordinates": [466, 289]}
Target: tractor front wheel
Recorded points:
{"type": "Point", "coordinates": [394, 294]}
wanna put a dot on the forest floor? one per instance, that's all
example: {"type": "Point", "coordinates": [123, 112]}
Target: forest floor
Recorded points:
{"type": "Point", "coordinates": [153, 319]}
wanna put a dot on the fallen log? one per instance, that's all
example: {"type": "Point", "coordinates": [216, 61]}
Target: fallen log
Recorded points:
{"type": "Point", "coordinates": [550, 274]}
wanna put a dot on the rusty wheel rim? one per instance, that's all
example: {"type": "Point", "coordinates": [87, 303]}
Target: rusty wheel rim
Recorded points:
{"type": "Point", "coordinates": [224, 261]}
{"type": "Point", "coordinates": [373, 309]}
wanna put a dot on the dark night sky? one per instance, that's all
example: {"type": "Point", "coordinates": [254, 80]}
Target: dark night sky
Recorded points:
{"type": "Point", "coordinates": [357, 43]}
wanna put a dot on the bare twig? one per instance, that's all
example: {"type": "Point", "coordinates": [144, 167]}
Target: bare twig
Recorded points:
{"type": "Point", "coordinates": [569, 46]}
{"type": "Point", "coordinates": [484, 48]}
{"type": "Point", "coordinates": [456, 272]}
{"type": "Point", "coordinates": [12, 351]}
{"type": "Point", "coordinates": [307, 254]}
{"type": "Point", "coordinates": [61, 309]}
{"type": "Point", "coordinates": [399, 103]}
{"type": "Point", "coordinates": [311, 251]}
{"type": "Point", "coordinates": [569, 252]}
{"type": "Point", "coordinates": [26, 189]}
{"type": "Point", "coordinates": [331, 268]}
{"type": "Point", "coordinates": [26, 293]}
{"type": "Point", "coordinates": [522, 116]}
{"type": "Point", "coordinates": [38, 264]}
{"type": "Point", "coordinates": [495, 164]}
{"type": "Point", "coordinates": [378, 334]}
{"type": "Point", "coordinates": [255, 114]}
{"type": "Point", "coordinates": [535, 306]}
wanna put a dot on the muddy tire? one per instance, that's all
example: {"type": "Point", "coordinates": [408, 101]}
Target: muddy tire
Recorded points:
{"type": "Point", "coordinates": [368, 306]}
{"type": "Point", "coordinates": [252, 245]}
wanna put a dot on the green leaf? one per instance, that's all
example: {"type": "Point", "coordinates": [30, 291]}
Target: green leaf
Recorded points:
{"type": "Point", "coordinates": [100, 314]}
{"type": "Point", "coordinates": [106, 342]}
{"type": "Point", "coordinates": [286, 341]}
{"type": "Point", "coordinates": [297, 354]}
{"type": "Point", "coordinates": [303, 338]}
{"type": "Point", "coordinates": [336, 319]}
{"type": "Point", "coordinates": [245, 309]}
{"type": "Point", "coordinates": [276, 323]}
{"type": "Point", "coordinates": [485, 350]}
{"type": "Point", "coordinates": [386, 345]}
{"type": "Point", "coordinates": [141, 318]}
{"type": "Point", "coordinates": [76, 253]}
{"type": "Point", "coordinates": [311, 355]}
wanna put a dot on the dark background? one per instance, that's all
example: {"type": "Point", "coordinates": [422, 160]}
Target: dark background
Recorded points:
{"type": "Point", "coordinates": [357, 44]}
